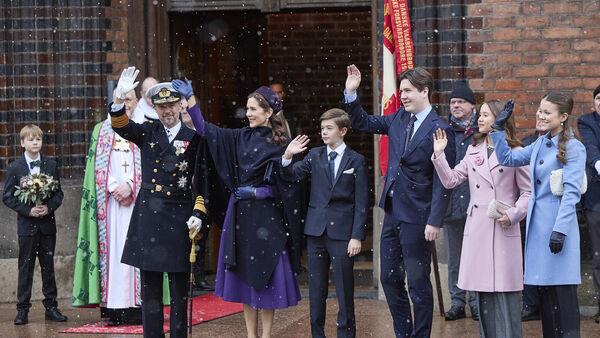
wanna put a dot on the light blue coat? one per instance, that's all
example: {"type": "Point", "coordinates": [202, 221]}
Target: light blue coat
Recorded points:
{"type": "Point", "coordinates": [546, 212]}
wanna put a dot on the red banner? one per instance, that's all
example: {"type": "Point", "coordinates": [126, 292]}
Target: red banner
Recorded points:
{"type": "Point", "coordinates": [397, 57]}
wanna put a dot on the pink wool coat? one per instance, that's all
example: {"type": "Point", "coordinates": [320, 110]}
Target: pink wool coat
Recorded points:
{"type": "Point", "coordinates": [491, 259]}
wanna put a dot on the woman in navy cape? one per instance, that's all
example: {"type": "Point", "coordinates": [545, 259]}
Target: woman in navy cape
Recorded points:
{"type": "Point", "coordinates": [253, 266]}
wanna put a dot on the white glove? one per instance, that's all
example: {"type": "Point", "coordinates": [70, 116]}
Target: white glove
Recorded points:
{"type": "Point", "coordinates": [126, 84]}
{"type": "Point", "coordinates": [597, 166]}
{"type": "Point", "coordinates": [194, 223]}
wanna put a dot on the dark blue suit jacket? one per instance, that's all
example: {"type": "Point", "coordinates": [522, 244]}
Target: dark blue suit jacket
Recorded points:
{"type": "Point", "coordinates": [27, 225]}
{"type": "Point", "coordinates": [339, 205]}
{"type": "Point", "coordinates": [419, 196]}
{"type": "Point", "coordinates": [589, 128]}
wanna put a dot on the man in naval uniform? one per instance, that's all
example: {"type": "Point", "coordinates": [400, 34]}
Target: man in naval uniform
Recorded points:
{"type": "Point", "coordinates": [158, 240]}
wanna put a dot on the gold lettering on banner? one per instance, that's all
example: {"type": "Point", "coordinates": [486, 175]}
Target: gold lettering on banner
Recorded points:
{"type": "Point", "coordinates": [402, 34]}
{"type": "Point", "coordinates": [387, 34]}
{"type": "Point", "coordinates": [386, 103]}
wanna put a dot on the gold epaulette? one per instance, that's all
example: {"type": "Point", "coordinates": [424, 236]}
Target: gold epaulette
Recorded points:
{"type": "Point", "coordinates": [200, 204]}
{"type": "Point", "coordinates": [119, 121]}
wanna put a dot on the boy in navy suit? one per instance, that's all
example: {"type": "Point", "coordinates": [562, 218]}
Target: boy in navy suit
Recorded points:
{"type": "Point", "coordinates": [336, 218]}
{"type": "Point", "coordinates": [36, 226]}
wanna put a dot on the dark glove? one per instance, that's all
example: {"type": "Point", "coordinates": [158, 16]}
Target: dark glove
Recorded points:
{"type": "Point", "coordinates": [262, 193]}
{"type": "Point", "coordinates": [557, 240]}
{"type": "Point", "coordinates": [504, 115]}
{"type": "Point", "coordinates": [245, 193]}
{"type": "Point", "coordinates": [183, 87]}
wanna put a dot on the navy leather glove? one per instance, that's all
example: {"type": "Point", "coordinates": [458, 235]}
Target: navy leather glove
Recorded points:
{"type": "Point", "coordinates": [244, 193]}
{"type": "Point", "coordinates": [183, 87]}
{"type": "Point", "coordinates": [557, 240]}
{"type": "Point", "coordinates": [503, 116]}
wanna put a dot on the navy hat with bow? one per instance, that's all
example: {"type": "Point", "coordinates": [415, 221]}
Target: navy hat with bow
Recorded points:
{"type": "Point", "coordinates": [271, 98]}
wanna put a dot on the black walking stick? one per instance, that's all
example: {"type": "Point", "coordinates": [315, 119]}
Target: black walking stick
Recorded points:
{"type": "Point", "coordinates": [436, 274]}
{"type": "Point", "coordinates": [193, 236]}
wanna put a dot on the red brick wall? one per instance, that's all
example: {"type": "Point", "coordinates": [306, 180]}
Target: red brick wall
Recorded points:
{"type": "Point", "coordinates": [54, 64]}
{"type": "Point", "coordinates": [309, 52]}
{"type": "Point", "coordinates": [531, 47]}
{"type": "Point", "coordinates": [440, 30]}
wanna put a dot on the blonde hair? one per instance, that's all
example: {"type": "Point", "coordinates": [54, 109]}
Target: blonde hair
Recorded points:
{"type": "Point", "coordinates": [30, 130]}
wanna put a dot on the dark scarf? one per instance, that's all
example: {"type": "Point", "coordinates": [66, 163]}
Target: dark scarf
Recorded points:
{"type": "Point", "coordinates": [464, 125]}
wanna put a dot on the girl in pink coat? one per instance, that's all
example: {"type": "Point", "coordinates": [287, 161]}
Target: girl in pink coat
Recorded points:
{"type": "Point", "coordinates": [491, 259]}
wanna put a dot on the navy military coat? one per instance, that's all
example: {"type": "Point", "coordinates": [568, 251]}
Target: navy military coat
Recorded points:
{"type": "Point", "coordinates": [158, 238]}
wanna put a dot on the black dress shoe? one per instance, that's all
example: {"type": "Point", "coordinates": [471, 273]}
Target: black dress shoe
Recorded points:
{"type": "Point", "coordinates": [21, 317]}
{"type": "Point", "coordinates": [597, 317]}
{"type": "Point", "coordinates": [475, 316]}
{"type": "Point", "coordinates": [203, 285]}
{"type": "Point", "coordinates": [528, 315]}
{"type": "Point", "coordinates": [54, 315]}
{"type": "Point", "coordinates": [455, 313]}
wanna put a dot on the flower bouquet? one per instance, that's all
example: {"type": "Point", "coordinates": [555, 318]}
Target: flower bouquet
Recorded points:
{"type": "Point", "coordinates": [36, 188]}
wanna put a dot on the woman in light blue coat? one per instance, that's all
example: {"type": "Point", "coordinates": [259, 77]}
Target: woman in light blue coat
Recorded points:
{"type": "Point", "coordinates": [552, 239]}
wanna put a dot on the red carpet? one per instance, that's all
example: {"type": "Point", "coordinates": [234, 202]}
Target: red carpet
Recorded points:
{"type": "Point", "coordinates": [206, 307]}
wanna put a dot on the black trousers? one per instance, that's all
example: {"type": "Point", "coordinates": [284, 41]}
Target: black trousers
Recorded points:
{"type": "Point", "coordinates": [406, 254]}
{"type": "Point", "coordinates": [530, 295]}
{"type": "Point", "coordinates": [42, 247]}
{"type": "Point", "coordinates": [593, 221]}
{"type": "Point", "coordinates": [559, 310]}
{"type": "Point", "coordinates": [322, 252]}
{"type": "Point", "coordinates": [152, 306]}
{"type": "Point", "coordinates": [199, 266]}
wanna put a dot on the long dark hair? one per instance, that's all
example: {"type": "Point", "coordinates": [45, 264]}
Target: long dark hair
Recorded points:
{"type": "Point", "coordinates": [279, 132]}
{"type": "Point", "coordinates": [496, 107]}
{"type": "Point", "coordinates": [564, 103]}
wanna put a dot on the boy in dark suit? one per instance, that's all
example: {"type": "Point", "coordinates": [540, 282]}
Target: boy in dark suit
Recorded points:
{"type": "Point", "coordinates": [336, 219]}
{"type": "Point", "coordinates": [36, 226]}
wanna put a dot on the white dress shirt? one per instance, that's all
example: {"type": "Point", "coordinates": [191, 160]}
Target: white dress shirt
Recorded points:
{"type": "Point", "coordinates": [421, 116]}
{"type": "Point", "coordinates": [36, 169]}
{"type": "Point", "coordinates": [172, 132]}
